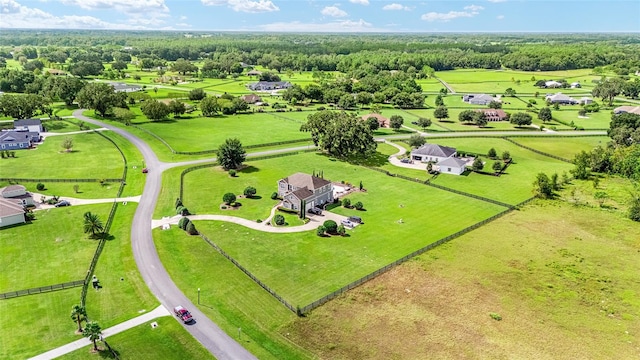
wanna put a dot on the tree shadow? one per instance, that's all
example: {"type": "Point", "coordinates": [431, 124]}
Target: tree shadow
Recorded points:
{"type": "Point", "coordinates": [249, 169]}
{"type": "Point", "coordinates": [255, 197]}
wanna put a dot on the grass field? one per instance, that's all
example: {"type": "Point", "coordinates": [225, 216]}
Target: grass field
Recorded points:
{"type": "Point", "coordinates": [452, 123]}
{"type": "Point", "coordinates": [169, 340]}
{"type": "Point", "coordinates": [545, 270]}
{"type": "Point", "coordinates": [566, 147]}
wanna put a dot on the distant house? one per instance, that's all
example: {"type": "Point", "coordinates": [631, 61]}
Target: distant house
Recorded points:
{"type": "Point", "coordinates": [11, 212]}
{"type": "Point", "coordinates": [303, 191]}
{"type": "Point", "coordinates": [269, 85]}
{"type": "Point", "coordinates": [57, 72]}
{"type": "Point", "coordinates": [452, 165]}
{"type": "Point", "coordinates": [552, 84]}
{"type": "Point", "coordinates": [561, 98]}
{"type": "Point", "coordinates": [478, 99]}
{"type": "Point", "coordinates": [122, 87]}
{"type": "Point", "coordinates": [251, 98]}
{"type": "Point", "coordinates": [382, 121]}
{"type": "Point", "coordinates": [244, 65]}
{"type": "Point", "coordinates": [586, 101]}
{"type": "Point", "coordinates": [32, 125]}
{"type": "Point", "coordinates": [627, 109]}
{"type": "Point", "coordinates": [432, 153]}
{"type": "Point", "coordinates": [575, 85]}
{"type": "Point", "coordinates": [17, 140]}
{"type": "Point", "coordinates": [493, 114]}
{"type": "Point", "coordinates": [254, 73]}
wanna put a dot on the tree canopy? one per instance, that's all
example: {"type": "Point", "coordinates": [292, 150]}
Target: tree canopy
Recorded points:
{"type": "Point", "coordinates": [340, 134]}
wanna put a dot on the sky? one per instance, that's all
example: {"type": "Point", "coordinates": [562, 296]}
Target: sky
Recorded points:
{"type": "Point", "coordinates": [474, 16]}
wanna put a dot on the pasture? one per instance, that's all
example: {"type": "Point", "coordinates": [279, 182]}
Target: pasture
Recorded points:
{"type": "Point", "coordinates": [565, 147]}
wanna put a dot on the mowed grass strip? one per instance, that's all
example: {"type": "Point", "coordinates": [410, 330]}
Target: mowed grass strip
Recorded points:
{"type": "Point", "coordinates": [546, 270]}
{"type": "Point", "coordinates": [303, 267]}
{"type": "Point", "coordinates": [169, 340]}
{"type": "Point", "coordinates": [227, 296]}
{"type": "Point", "coordinates": [58, 249]}
{"type": "Point", "coordinates": [92, 157]}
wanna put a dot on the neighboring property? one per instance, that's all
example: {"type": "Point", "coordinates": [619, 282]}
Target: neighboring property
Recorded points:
{"type": "Point", "coordinates": [575, 85]}
{"type": "Point", "coordinates": [254, 73]}
{"type": "Point", "coordinates": [16, 140]}
{"type": "Point", "coordinates": [432, 153]}
{"type": "Point", "coordinates": [552, 84]}
{"type": "Point", "coordinates": [17, 193]}
{"type": "Point", "coordinates": [493, 114]}
{"type": "Point", "coordinates": [586, 101]}
{"type": "Point", "coordinates": [452, 165]}
{"type": "Point", "coordinates": [57, 72]}
{"type": "Point", "coordinates": [251, 98]}
{"type": "Point", "coordinates": [269, 85]}
{"type": "Point", "coordinates": [383, 121]}
{"type": "Point", "coordinates": [122, 87]}
{"type": "Point", "coordinates": [11, 212]}
{"type": "Point", "coordinates": [32, 125]}
{"type": "Point", "coordinates": [478, 99]}
{"type": "Point", "coordinates": [303, 192]}
{"type": "Point", "coordinates": [627, 109]}
{"type": "Point", "coordinates": [561, 98]}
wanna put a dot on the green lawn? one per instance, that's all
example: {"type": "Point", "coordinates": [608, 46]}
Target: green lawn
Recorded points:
{"type": "Point", "coordinates": [169, 340]}
{"type": "Point", "coordinates": [566, 147]}
{"type": "Point", "coordinates": [452, 123]}
{"type": "Point", "coordinates": [64, 126]}
{"type": "Point", "coordinates": [597, 120]}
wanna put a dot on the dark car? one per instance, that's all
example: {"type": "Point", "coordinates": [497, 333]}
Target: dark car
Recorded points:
{"type": "Point", "coordinates": [145, 170]}
{"type": "Point", "coordinates": [62, 203]}
{"type": "Point", "coordinates": [315, 210]}
{"type": "Point", "coordinates": [355, 219]}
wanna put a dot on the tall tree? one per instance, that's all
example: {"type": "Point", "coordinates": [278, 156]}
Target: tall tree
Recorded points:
{"type": "Point", "coordinates": [340, 134]}
{"type": "Point", "coordinates": [231, 154]}
{"type": "Point", "coordinates": [424, 123]}
{"type": "Point", "coordinates": [542, 186]}
{"type": "Point", "coordinates": [396, 121]}
{"type": "Point", "coordinates": [520, 119]}
{"type": "Point", "coordinates": [92, 224]}
{"type": "Point", "coordinates": [155, 110]}
{"type": "Point", "coordinates": [608, 89]}
{"type": "Point", "coordinates": [101, 97]}
{"type": "Point", "coordinates": [441, 112]}
{"type": "Point", "coordinates": [416, 140]}
{"type": "Point", "coordinates": [545, 114]}
{"type": "Point", "coordinates": [65, 88]}
{"type": "Point", "coordinates": [210, 106]}
{"type": "Point", "coordinates": [79, 314]}
{"type": "Point", "coordinates": [92, 331]}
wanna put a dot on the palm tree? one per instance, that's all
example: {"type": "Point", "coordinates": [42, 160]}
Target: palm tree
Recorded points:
{"type": "Point", "coordinates": [92, 224]}
{"type": "Point", "coordinates": [93, 332]}
{"type": "Point", "coordinates": [78, 313]}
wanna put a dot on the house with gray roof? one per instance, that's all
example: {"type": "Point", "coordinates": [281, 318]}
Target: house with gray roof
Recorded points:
{"type": "Point", "coordinates": [432, 153]}
{"type": "Point", "coordinates": [18, 193]}
{"type": "Point", "coordinates": [269, 85]}
{"type": "Point", "coordinates": [301, 192]}
{"type": "Point", "coordinates": [478, 99]}
{"type": "Point", "coordinates": [17, 140]}
{"type": "Point", "coordinates": [11, 212]}
{"type": "Point", "coordinates": [127, 88]}
{"type": "Point", "coordinates": [561, 98]}
{"type": "Point", "coordinates": [552, 84]}
{"type": "Point", "coordinates": [452, 165]}
{"type": "Point", "coordinates": [627, 109]}
{"type": "Point", "coordinates": [32, 125]}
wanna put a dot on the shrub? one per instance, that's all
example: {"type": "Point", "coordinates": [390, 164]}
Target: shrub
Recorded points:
{"type": "Point", "coordinates": [274, 195]}
{"type": "Point", "coordinates": [341, 230]}
{"type": "Point", "coordinates": [582, 112]}
{"type": "Point", "coordinates": [330, 226]}
{"type": "Point", "coordinates": [184, 211]}
{"type": "Point", "coordinates": [250, 191]}
{"type": "Point", "coordinates": [346, 203]}
{"type": "Point", "coordinates": [179, 210]}
{"type": "Point", "coordinates": [259, 221]}
{"type": "Point", "coordinates": [320, 231]}
{"type": "Point", "coordinates": [495, 316]}
{"type": "Point", "coordinates": [178, 203]}
{"type": "Point", "coordinates": [492, 153]}
{"type": "Point", "coordinates": [320, 108]}
{"type": "Point", "coordinates": [40, 186]}
{"type": "Point", "coordinates": [278, 219]}
{"type": "Point", "coordinates": [232, 173]}
{"type": "Point", "coordinates": [358, 206]}
{"type": "Point", "coordinates": [191, 229]}
{"type": "Point", "coordinates": [182, 224]}
{"type": "Point", "coordinates": [506, 156]}
{"type": "Point", "coordinates": [229, 198]}
{"type": "Point", "coordinates": [30, 216]}
{"type": "Point", "coordinates": [634, 209]}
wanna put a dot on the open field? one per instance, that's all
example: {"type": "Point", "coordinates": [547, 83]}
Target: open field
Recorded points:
{"type": "Point", "coordinates": [545, 270]}
{"type": "Point", "coordinates": [65, 126]}
{"type": "Point", "coordinates": [167, 341]}
{"type": "Point", "coordinates": [308, 274]}
{"type": "Point", "coordinates": [452, 123]}
{"type": "Point", "coordinates": [565, 147]}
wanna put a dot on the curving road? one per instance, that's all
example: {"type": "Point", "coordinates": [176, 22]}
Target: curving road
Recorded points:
{"type": "Point", "coordinates": [221, 345]}
{"type": "Point", "coordinates": [153, 272]}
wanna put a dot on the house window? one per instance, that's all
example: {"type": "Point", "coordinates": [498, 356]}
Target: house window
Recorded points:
{"type": "Point", "coordinates": [449, 169]}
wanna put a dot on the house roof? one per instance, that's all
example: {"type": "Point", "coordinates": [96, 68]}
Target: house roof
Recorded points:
{"type": "Point", "coordinates": [493, 112]}
{"type": "Point", "coordinates": [254, 72]}
{"type": "Point", "coordinates": [452, 162]}
{"type": "Point", "coordinates": [15, 136]}
{"type": "Point", "coordinates": [12, 188]}
{"type": "Point", "coordinates": [374, 115]}
{"type": "Point", "coordinates": [552, 82]}
{"type": "Point", "coordinates": [560, 97]}
{"type": "Point", "coordinates": [26, 122]}
{"type": "Point", "coordinates": [302, 180]}
{"type": "Point", "coordinates": [627, 109]}
{"type": "Point", "coordinates": [56, 72]}
{"type": "Point", "coordinates": [434, 150]}
{"type": "Point", "coordinates": [302, 193]}
{"type": "Point", "coordinates": [482, 97]}
{"type": "Point", "coordinates": [10, 207]}
{"type": "Point", "coordinates": [250, 98]}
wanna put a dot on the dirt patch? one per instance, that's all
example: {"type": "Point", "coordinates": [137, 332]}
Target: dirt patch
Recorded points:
{"type": "Point", "coordinates": [224, 206]}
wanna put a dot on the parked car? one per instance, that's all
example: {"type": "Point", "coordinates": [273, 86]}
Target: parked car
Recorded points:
{"type": "Point", "coordinates": [62, 203]}
{"type": "Point", "coordinates": [145, 170]}
{"type": "Point", "coordinates": [183, 314]}
{"type": "Point", "coordinates": [355, 219]}
{"type": "Point", "coordinates": [315, 210]}
{"type": "Point", "coordinates": [405, 160]}
{"type": "Point", "coordinates": [348, 223]}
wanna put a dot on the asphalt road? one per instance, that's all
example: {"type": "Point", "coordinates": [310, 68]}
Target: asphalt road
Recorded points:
{"type": "Point", "coordinates": [221, 345]}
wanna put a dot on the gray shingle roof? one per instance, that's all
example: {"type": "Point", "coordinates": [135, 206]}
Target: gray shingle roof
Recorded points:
{"type": "Point", "coordinates": [10, 207]}
{"type": "Point", "coordinates": [434, 150]}
{"type": "Point", "coordinates": [452, 161]}
{"type": "Point", "coordinates": [302, 180]}
{"type": "Point", "coordinates": [27, 122]}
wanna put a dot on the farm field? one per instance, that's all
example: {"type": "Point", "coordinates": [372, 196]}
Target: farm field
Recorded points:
{"type": "Point", "coordinates": [309, 275]}
{"type": "Point", "coordinates": [167, 341]}
{"type": "Point", "coordinates": [452, 123]}
{"type": "Point", "coordinates": [597, 120]}
{"type": "Point", "coordinates": [545, 270]}
{"type": "Point", "coordinates": [565, 147]}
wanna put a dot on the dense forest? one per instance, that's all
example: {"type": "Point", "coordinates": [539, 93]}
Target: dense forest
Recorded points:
{"type": "Point", "coordinates": [300, 52]}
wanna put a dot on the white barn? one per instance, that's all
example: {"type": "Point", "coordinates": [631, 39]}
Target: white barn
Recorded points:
{"type": "Point", "coordinates": [452, 165]}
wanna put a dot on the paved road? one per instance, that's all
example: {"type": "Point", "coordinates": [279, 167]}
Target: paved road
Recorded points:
{"type": "Point", "coordinates": [80, 343]}
{"type": "Point", "coordinates": [221, 345]}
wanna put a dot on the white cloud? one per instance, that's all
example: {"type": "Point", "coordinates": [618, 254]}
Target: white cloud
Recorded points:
{"type": "Point", "coordinates": [17, 16]}
{"type": "Point", "coordinates": [395, 6]}
{"type": "Point", "coordinates": [183, 18]}
{"type": "Point", "coordinates": [359, 2]}
{"type": "Point", "coordinates": [248, 6]}
{"type": "Point", "coordinates": [500, 17]}
{"type": "Point", "coordinates": [496, 1]}
{"type": "Point", "coordinates": [475, 8]}
{"type": "Point", "coordinates": [334, 26]}
{"type": "Point", "coordinates": [333, 11]}
{"type": "Point", "coordinates": [125, 6]}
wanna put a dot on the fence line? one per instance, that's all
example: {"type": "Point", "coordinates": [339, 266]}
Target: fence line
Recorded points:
{"type": "Point", "coordinates": [249, 274]}
{"type": "Point", "coordinates": [38, 290]}
{"type": "Point", "coordinates": [390, 266]}
{"type": "Point", "coordinates": [124, 159]}
{"type": "Point", "coordinates": [538, 151]}
{"type": "Point", "coordinates": [59, 180]}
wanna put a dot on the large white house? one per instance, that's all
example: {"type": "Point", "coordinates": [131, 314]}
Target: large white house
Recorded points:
{"type": "Point", "coordinates": [432, 153]}
{"type": "Point", "coordinates": [452, 165]}
{"type": "Point", "coordinates": [13, 200]}
{"type": "Point", "coordinates": [303, 191]}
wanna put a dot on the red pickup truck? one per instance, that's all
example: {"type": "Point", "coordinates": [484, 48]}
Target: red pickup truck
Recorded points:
{"type": "Point", "coordinates": [183, 314]}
